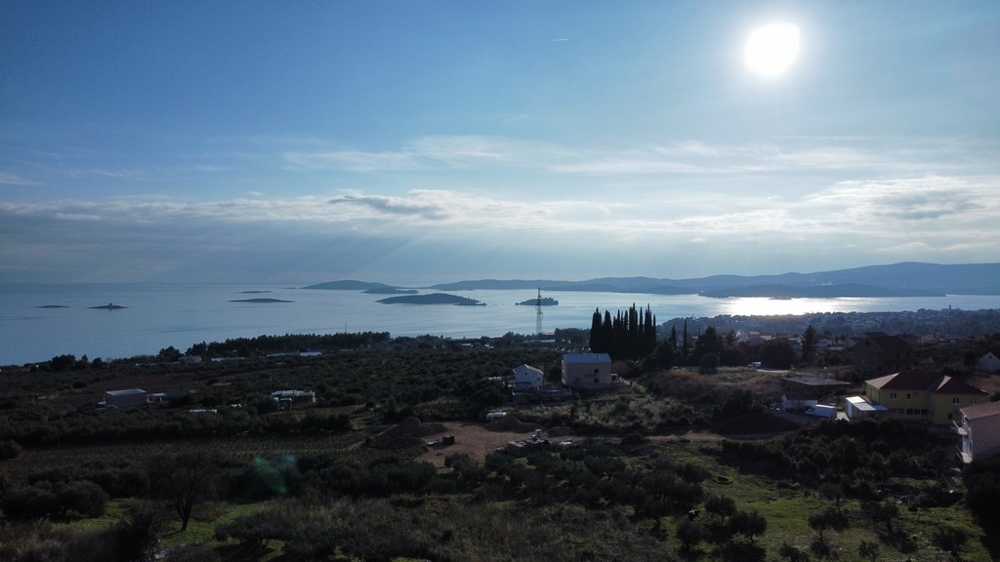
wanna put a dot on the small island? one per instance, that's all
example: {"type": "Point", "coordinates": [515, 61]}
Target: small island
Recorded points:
{"type": "Point", "coordinates": [109, 306]}
{"type": "Point", "coordinates": [253, 292]}
{"type": "Point", "coordinates": [390, 291]}
{"type": "Point", "coordinates": [544, 301]}
{"type": "Point", "coordinates": [434, 298]}
{"type": "Point", "coordinates": [52, 306]}
{"type": "Point", "coordinates": [261, 300]}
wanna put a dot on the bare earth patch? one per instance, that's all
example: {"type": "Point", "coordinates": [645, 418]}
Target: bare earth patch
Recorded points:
{"type": "Point", "coordinates": [475, 439]}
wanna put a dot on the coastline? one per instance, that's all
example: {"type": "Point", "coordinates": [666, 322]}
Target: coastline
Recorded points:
{"type": "Point", "coordinates": [164, 315]}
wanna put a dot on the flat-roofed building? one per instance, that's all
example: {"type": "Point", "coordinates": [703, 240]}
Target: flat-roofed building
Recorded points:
{"type": "Point", "coordinates": [125, 398]}
{"type": "Point", "coordinates": [589, 371]}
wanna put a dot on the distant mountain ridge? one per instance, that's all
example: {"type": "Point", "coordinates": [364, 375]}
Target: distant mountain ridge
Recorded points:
{"type": "Point", "coordinates": [901, 279]}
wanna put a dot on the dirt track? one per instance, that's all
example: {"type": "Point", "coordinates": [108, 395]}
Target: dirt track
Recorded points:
{"type": "Point", "coordinates": [478, 440]}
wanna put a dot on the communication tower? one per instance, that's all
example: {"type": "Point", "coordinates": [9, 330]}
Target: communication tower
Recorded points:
{"type": "Point", "coordinates": [538, 314]}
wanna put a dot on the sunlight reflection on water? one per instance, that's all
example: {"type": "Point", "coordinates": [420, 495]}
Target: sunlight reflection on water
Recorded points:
{"type": "Point", "coordinates": [763, 306]}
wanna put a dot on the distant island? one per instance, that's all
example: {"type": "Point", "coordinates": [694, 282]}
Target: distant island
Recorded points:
{"type": "Point", "coordinates": [544, 301]}
{"type": "Point", "coordinates": [253, 292]}
{"type": "Point", "coordinates": [348, 285]}
{"type": "Point", "coordinates": [435, 298]}
{"type": "Point", "coordinates": [262, 300]}
{"type": "Point", "coordinates": [390, 291]}
{"type": "Point", "coordinates": [52, 306]}
{"type": "Point", "coordinates": [109, 306]}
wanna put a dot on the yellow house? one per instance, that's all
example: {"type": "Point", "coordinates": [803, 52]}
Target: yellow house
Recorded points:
{"type": "Point", "coordinates": [923, 396]}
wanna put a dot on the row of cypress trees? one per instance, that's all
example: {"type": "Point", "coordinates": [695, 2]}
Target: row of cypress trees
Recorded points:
{"type": "Point", "coordinates": [629, 335]}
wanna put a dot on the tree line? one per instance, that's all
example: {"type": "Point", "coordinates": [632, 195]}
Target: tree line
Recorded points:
{"type": "Point", "coordinates": [629, 335]}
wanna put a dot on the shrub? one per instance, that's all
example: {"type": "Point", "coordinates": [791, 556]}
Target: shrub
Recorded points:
{"type": "Point", "coordinates": [691, 533]}
{"type": "Point", "coordinates": [253, 531]}
{"type": "Point", "coordinates": [720, 506]}
{"type": "Point", "coordinates": [9, 449]}
{"type": "Point", "coordinates": [29, 502]}
{"type": "Point", "coordinates": [138, 530]}
{"type": "Point", "coordinates": [949, 539]}
{"type": "Point", "coordinates": [83, 497]}
{"type": "Point", "coordinates": [748, 524]}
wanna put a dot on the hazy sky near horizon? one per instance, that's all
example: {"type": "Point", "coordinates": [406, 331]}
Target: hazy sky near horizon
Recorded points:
{"type": "Point", "coordinates": [445, 140]}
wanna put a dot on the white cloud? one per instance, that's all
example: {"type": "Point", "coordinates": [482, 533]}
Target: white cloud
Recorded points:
{"type": "Point", "coordinates": [795, 201]}
{"type": "Point", "coordinates": [14, 179]}
{"type": "Point", "coordinates": [352, 160]}
{"type": "Point", "coordinates": [115, 174]}
{"type": "Point", "coordinates": [433, 152]}
{"type": "Point", "coordinates": [684, 158]}
{"type": "Point", "coordinates": [964, 201]}
{"type": "Point", "coordinates": [849, 208]}
{"type": "Point", "coordinates": [77, 217]}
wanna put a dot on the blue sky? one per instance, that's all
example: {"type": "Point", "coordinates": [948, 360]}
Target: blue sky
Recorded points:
{"type": "Point", "coordinates": [436, 141]}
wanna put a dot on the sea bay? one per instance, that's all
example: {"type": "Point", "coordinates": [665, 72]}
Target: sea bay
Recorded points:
{"type": "Point", "coordinates": [38, 322]}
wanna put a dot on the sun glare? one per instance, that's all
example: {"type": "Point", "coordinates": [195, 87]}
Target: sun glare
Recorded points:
{"type": "Point", "coordinates": [771, 49]}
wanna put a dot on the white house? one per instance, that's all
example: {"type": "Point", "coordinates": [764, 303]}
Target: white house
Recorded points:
{"type": "Point", "coordinates": [589, 371]}
{"type": "Point", "coordinates": [526, 376]}
{"type": "Point", "coordinates": [294, 395]}
{"type": "Point", "coordinates": [980, 431]}
{"type": "Point", "coordinates": [797, 402]}
{"type": "Point", "coordinates": [857, 408]}
{"type": "Point", "coordinates": [125, 398]}
{"type": "Point", "coordinates": [989, 363]}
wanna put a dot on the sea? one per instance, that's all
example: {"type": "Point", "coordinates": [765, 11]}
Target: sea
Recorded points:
{"type": "Point", "coordinates": [41, 321]}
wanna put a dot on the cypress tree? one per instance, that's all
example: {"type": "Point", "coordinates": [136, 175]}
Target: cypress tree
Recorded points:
{"type": "Point", "coordinates": [597, 344]}
{"type": "Point", "coordinates": [684, 351]}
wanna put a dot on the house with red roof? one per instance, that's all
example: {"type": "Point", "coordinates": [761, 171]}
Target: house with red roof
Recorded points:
{"type": "Point", "coordinates": [922, 396]}
{"type": "Point", "coordinates": [980, 431]}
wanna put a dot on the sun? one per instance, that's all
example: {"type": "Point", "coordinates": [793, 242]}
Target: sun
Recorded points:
{"type": "Point", "coordinates": [771, 49]}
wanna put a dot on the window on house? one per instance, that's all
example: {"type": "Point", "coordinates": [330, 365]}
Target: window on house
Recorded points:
{"type": "Point", "coordinates": [973, 401]}
{"type": "Point", "coordinates": [907, 395]}
{"type": "Point", "coordinates": [892, 396]}
{"type": "Point", "coordinates": [597, 380]}
{"type": "Point", "coordinates": [956, 401]}
{"type": "Point", "coordinates": [597, 371]}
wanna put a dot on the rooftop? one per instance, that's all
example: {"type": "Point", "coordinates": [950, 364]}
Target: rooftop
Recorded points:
{"type": "Point", "coordinates": [586, 358]}
{"type": "Point", "coordinates": [927, 381]}
{"type": "Point", "coordinates": [981, 410]}
{"type": "Point", "coordinates": [816, 381]}
{"type": "Point", "coordinates": [126, 392]}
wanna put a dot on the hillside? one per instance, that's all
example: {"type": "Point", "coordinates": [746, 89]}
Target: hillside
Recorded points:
{"type": "Point", "coordinates": [900, 280]}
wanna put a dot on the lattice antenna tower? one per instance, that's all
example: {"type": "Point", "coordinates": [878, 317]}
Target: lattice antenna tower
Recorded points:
{"type": "Point", "coordinates": [538, 313]}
